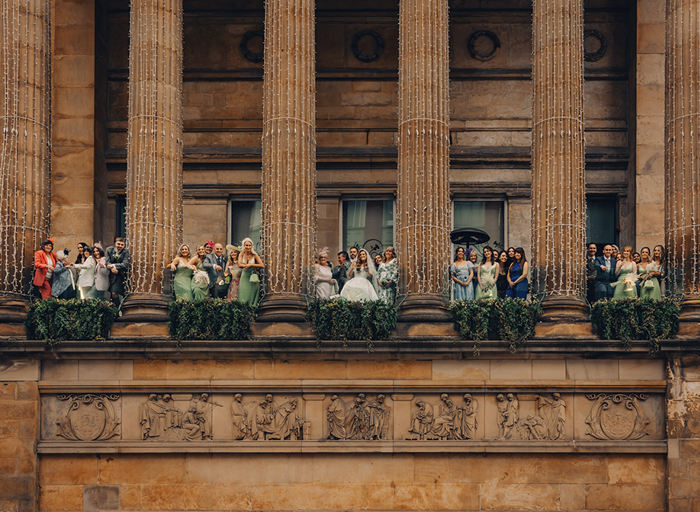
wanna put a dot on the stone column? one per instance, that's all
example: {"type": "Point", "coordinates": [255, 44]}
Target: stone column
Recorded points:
{"type": "Point", "coordinates": [25, 127]}
{"type": "Point", "coordinates": [423, 213]}
{"type": "Point", "coordinates": [558, 188]}
{"type": "Point", "coordinates": [682, 153]}
{"type": "Point", "coordinates": [154, 161]}
{"type": "Point", "coordinates": [288, 157]}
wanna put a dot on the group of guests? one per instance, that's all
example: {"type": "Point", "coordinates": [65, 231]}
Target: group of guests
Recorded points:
{"type": "Point", "coordinates": [210, 273]}
{"type": "Point", "coordinates": [625, 274]}
{"type": "Point", "coordinates": [497, 276]}
{"type": "Point", "coordinates": [96, 273]}
{"type": "Point", "coordinates": [357, 277]}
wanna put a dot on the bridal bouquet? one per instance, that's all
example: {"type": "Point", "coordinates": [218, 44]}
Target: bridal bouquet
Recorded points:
{"type": "Point", "coordinates": [629, 281]}
{"type": "Point", "coordinates": [201, 277]}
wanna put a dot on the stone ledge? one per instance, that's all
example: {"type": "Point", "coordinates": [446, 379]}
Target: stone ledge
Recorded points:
{"type": "Point", "coordinates": [352, 385]}
{"type": "Point", "coordinates": [101, 447]}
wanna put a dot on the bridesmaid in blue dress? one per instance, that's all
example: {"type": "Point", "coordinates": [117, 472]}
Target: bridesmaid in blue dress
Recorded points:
{"type": "Point", "coordinates": [517, 276]}
{"type": "Point", "coordinates": [472, 258]}
{"type": "Point", "coordinates": [462, 275]}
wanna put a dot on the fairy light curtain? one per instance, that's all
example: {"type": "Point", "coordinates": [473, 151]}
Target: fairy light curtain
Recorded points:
{"type": "Point", "coordinates": [423, 203]}
{"type": "Point", "coordinates": [682, 148]}
{"type": "Point", "coordinates": [25, 121]}
{"type": "Point", "coordinates": [154, 146]}
{"type": "Point", "coordinates": [289, 146]}
{"type": "Point", "coordinates": [558, 187]}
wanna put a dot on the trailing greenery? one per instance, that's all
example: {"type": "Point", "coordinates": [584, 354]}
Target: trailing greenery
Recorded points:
{"type": "Point", "coordinates": [512, 320]}
{"type": "Point", "coordinates": [57, 320]}
{"type": "Point", "coordinates": [211, 319]}
{"type": "Point", "coordinates": [636, 319]}
{"type": "Point", "coordinates": [339, 319]}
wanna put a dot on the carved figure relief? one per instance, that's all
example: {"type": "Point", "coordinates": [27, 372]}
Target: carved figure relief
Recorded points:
{"type": "Point", "coordinates": [89, 417]}
{"type": "Point", "coordinates": [267, 420]}
{"type": "Point", "coordinates": [617, 417]}
{"type": "Point", "coordinates": [444, 420]}
{"type": "Point", "coordinates": [358, 420]}
{"type": "Point", "coordinates": [162, 420]}
{"type": "Point", "coordinates": [547, 424]}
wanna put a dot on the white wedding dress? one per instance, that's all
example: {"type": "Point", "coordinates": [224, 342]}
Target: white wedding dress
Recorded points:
{"type": "Point", "coordinates": [359, 288]}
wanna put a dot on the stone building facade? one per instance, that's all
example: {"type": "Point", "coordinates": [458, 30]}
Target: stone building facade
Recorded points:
{"type": "Point", "coordinates": [328, 123]}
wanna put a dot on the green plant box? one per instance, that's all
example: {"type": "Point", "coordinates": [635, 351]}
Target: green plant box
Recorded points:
{"type": "Point", "coordinates": [211, 319]}
{"type": "Point", "coordinates": [57, 320]}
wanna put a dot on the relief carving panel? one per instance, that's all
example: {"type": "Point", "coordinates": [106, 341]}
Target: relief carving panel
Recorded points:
{"type": "Point", "coordinates": [617, 417]}
{"type": "Point", "coordinates": [444, 420]}
{"type": "Point", "coordinates": [546, 423]}
{"type": "Point", "coordinates": [358, 419]}
{"type": "Point", "coordinates": [88, 417]}
{"type": "Point", "coordinates": [267, 419]}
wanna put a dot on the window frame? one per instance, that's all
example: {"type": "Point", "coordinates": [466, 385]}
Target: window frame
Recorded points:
{"type": "Point", "coordinates": [361, 197]}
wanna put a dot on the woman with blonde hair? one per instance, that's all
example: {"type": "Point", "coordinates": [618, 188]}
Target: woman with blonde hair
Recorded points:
{"type": "Point", "coordinates": [248, 261]}
{"type": "Point", "coordinates": [323, 276]}
{"type": "Point", "coordinates": [182, 270]}
{"type": "Point", "coordinates": [625, 286]}
{"type": "Point", "coordinates": [200, 278]}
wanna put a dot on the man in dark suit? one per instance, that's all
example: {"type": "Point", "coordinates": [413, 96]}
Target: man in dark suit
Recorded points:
{"type": "Point", "coordinates": [118, 259]}
{"type": "Point", "coordinates": [605, 274]}
{"type": "Point", "coordinates": [215, 264]}
{"type": "Point", "coordinates": [340, 273]}
{"type": "Point", "coordinates": [590, 273]}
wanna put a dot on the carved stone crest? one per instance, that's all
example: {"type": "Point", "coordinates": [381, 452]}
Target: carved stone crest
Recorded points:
{"type": "Point", "coordinates": [617, 417]}
{"type": "Point", "coordinates": [444, 420]}
{"type": "Point", "coordinates": [360, 419]}
{"type": "Point", "coordinates": [89, 417]}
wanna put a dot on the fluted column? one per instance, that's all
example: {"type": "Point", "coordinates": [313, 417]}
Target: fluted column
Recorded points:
{"type": "Point", "coordinates": [558, 187]}
{"type": "Point", "coordinates": [25, 124]}
{"type": "Point", "coordinates": [154, 161]}
{"type": "Point", "coordinates": [288, 156]}
{"type": "Point", "coordinates": [423, 202]}
{"type": "Point", "coordinates": [682, 152]}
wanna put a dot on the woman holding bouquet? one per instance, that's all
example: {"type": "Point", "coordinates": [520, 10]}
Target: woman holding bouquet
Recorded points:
{"type": "Point", "coordinates": [649, 271]}
{"type": "Point", "coordinates": [248, 261]}
{"type": "Point", "coordinates": [626, 272]}
{"type": "Point", "coordinates": [387, 276]}
{"type": "Point", "coordinates": [200, 279]}
{"type": "Point", "coordinates": [487, 276]}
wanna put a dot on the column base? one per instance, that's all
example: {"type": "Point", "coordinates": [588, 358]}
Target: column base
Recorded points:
{"type": "Point", "coordinates": [282, 315]}
{"type": "Point", "coordinates": [144, 307]}
{"type": "Point", "coordinates": [689, 319]}
{"type": "Point", "coordinates": [564, 317]}
{"type": "Point", "coordinates": [424, 308]}
{"type": "Point", "coordinates": [13, 308]}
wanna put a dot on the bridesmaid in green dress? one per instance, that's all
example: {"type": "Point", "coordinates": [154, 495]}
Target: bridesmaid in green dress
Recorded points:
{"type": "Point", "coordinates": [200, 280]}
{"type": "Point", "coordinates": [625, 266]}
{"type": "Point", "coordinates": [182, 270]}
{"type": "Point", "coordinates": [486, 289]}
{"type": "Point", "coordinates": [249, 287]}
{"type": "Point", "coordinates": [232, 272]}
{"type": "Point", "coordinates": [648, 273]}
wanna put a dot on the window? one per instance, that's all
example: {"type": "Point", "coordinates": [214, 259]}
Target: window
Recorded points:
{"type": "Point", "coordinates": [601, 220]}
{"type": "Point", "coordinates": [368, 224]}
{"type": "Point", "coordinates": [120, 228]}
{"type": "Point", "coordinates": [245, 221]}
{"type": "Point", "coordinates": [485, 215]}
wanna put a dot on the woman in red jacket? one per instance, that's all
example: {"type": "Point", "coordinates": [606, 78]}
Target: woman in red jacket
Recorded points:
{"type": "Point", "coordinates": [44, 263]}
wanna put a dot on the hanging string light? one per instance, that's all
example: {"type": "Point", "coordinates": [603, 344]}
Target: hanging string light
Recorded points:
{"type": "Point", "coordinates": [558, 154]}
{"type": "Point", "coordinates": [682, 151]}
{"type": "Point", "coordinates": [154, 144]}
{"type": "Point", "coordinates": [25, 157]}
{"type": "Point", "coordinates": [423, 203]}
{"type": "Point", "coordinates": [288, 232]}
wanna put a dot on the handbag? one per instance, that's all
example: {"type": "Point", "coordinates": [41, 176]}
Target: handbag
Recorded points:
{"type": "Point", "coordinates": [648, 284]}
{"type": "Point", "coordinates": [254, 278]}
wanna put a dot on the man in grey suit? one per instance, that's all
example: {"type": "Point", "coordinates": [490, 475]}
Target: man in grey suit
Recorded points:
{"type": "Point", "coordinates": [215, 264]}
{"type": "Point", "coordinates": [340, 273]}
{"type": "Point", "coordinates": [118, 260]}
{"type": "Point", "coordinates": [605, 274]}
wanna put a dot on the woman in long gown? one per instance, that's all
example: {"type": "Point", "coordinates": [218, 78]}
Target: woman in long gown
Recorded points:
{"type": "Point", "coordinates": [387, 276]}
{"type": "Point", "coordinates": [502, 275]}
{"type": "Point", "coordinates": [472, 258]}
{"type": "Point", "coordinates": [648, 272]}
{"type": "Point", "coordinates": [517, 276]}
{"type": "Point", "coordinates": [323, 276]}
{"type": "Point", "coordinates": [86, 274]}
{"type": "Point", "coordinates": [625, 266]}
{"type": "Point", "coordinates": [101, 273]}
{"type": "Point", "coordinates": [249, 290]}
{"type": "Point", "coordinates": [487, 276]}
{"type": "Point", "coordinates": [462, 275]}
{"type": "Point", "coordinates": [233, 272]}
{"type": "Point", "coordinates": [659, 258]}
{"type": "Point", "coordinates": [182, 270]}
{"type": "Point", "coordinates": [360, 288]}
{"type": "Point", "coordinates": [200, 278]}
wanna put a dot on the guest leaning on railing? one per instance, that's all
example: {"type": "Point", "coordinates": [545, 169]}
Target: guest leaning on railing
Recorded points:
{"type": "Point", "coordinates": [44, 263]}
{"type": "Point", "coordinates": [182, 270]}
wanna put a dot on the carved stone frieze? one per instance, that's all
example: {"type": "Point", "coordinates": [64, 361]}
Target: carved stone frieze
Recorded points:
{"type": "Point", "coordinates": [444, 420]}
{"type": "Point", "coordinates": [162, 420]}
{"type": "Point", "coordinates": [546, 424]}
{"type": "Point", "coordinates": [359, 419]}
{"type": "Point", "coordinates": [88, 418]}
{"type": "Point", "coordinates": [267, 419]}
{"type": "Point", "coordinates": [617, 417]}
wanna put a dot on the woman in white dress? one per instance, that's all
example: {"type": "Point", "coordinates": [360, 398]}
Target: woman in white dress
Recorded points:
{"type": "Point", "coordinates": [101, 273]}
{"type": "Point", "coordinates": [323, 276]}
{"type": "Point", "coordinates": [360, 288]}
{"type": "Point", "coordinates": [86, 275]}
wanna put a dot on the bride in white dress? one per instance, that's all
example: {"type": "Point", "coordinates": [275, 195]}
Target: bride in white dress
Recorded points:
{"type": "Point", "coordinates": [360, 288]}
